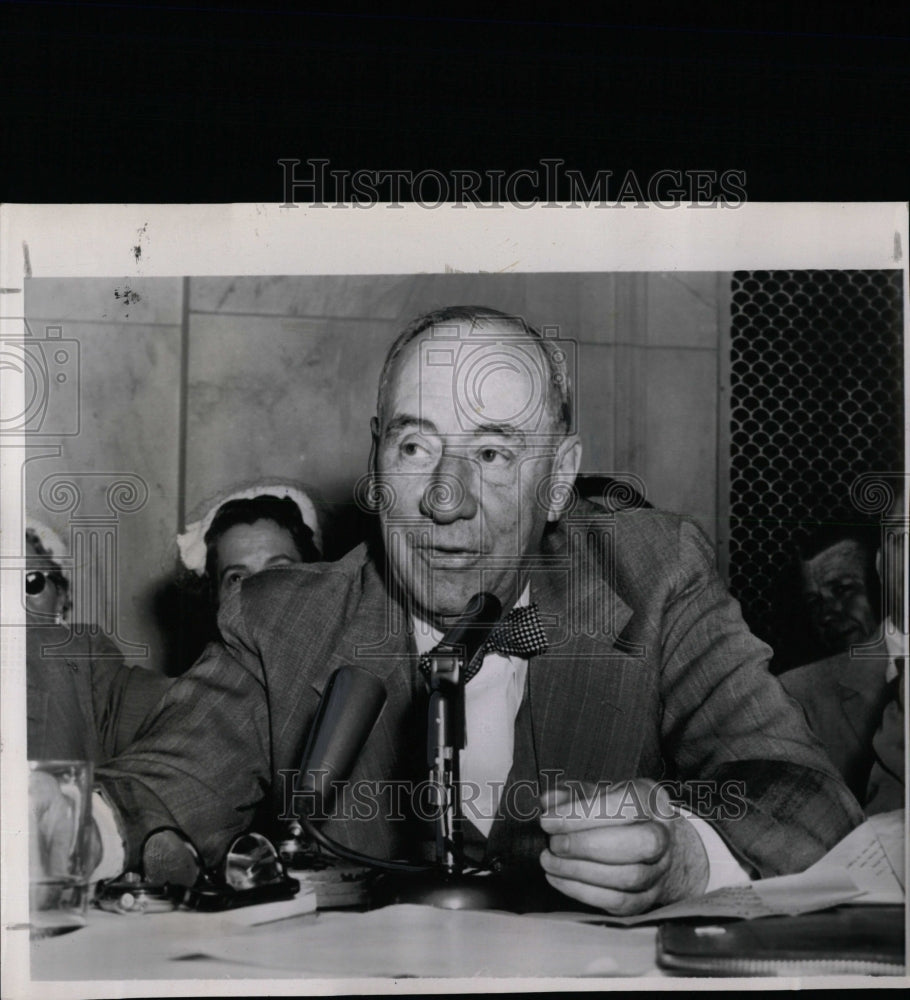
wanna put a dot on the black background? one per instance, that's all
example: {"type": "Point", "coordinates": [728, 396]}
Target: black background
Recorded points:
{"type": "Point", "coordinates": [109, 103]}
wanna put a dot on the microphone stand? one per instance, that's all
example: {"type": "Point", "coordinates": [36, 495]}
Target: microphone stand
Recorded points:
{"type": "Point", "coordinates": [450, 884]}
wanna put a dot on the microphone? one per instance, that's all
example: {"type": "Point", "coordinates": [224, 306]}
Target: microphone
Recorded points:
{"type": "Point", "coordinates": [469, 633]}
{"type": "Point", "coordinates": [348, 710]}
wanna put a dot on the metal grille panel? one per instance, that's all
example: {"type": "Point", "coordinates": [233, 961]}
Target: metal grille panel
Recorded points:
{"type": "Point", "coordinates": [816, 399]}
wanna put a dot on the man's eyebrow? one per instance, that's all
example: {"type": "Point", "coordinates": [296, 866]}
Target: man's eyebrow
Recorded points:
{"type": "Point", "coordinates": [405, 422]}
{"type": "Point", "coordinates": [228, 569]}
{"type": "Point", "coordinates": [501, 430]}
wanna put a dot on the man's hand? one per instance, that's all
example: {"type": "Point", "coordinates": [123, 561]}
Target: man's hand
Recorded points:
{"type": "Point", "coordinates": [625, 850]}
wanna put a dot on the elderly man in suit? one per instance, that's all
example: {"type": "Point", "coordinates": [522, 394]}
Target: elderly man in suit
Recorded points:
{"type": "Point", "coordinates": [640, 681]}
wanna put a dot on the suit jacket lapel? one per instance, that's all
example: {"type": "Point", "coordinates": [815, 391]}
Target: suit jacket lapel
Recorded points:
{"type": "Point", "coordinates": [376, 639]}
{"type": "Point", "coordinates": [575, 687]}
{"type": "Point", "coordinates": [861, 687]}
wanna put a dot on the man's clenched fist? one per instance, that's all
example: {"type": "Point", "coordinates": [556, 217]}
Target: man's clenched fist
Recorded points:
{"type": "Point", "coordinates": [625, 850]}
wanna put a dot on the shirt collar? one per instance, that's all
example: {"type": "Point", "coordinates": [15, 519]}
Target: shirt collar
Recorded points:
{"type": "Point", "coordinates": [426, 637]}
{"type": "Point", "coordinates": [896, 641]}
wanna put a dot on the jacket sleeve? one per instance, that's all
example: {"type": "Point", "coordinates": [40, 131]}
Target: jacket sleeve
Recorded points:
{"type": "Point", "coordinates": [740, 745]}
{"type": "Point", "coordinates": [201, 761]}
{"type": "Point", "coordinates": [122, 696]}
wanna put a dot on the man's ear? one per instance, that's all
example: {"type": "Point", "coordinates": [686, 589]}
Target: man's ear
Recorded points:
{"type": "Point", "coordinates": [374, 443]}
{"type": "Point", "coordinates": [565, 469]}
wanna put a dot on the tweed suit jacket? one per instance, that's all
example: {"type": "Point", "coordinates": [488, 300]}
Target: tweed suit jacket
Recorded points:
{"type": "Point", "coordinates": [843, 697]}
{"type": "Point", "coordinates": [83, 701]}
{"type": "Point", "coordinates": [651, 672]}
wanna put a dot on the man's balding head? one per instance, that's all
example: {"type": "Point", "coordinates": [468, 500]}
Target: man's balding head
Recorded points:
{"type": "Point", "coordinates": [455, 333]}
{"type": "Point", "coordinates": [473, 454]}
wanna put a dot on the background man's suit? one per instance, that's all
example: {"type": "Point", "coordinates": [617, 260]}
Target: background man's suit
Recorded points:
{"type": "Point", "coordinates": [83, 703]}
{"type": "Point", "coordinates": [651, 672]}
{"type": "Point", "coordinates": [843, 697]}
{"type": "Point", "coordinates": [851, 708]}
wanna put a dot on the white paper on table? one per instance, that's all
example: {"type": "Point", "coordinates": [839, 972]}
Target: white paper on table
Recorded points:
{"type": "Point", "coordinates": [130, 946]}
{"type": "Point", "coordinates": [408, 940]}
{"type": "Point", "coordinates": [873, 854]}
{"type": "Point", "coordinates": [865, 867]}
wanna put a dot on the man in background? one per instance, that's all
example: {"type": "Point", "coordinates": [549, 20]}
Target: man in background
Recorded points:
{"type": "Point", "coordinates": [840, 588]}
{"type": "Point", "coordinates": [83, 701]}
{"type": "Point", "coordinates": [852, 700]}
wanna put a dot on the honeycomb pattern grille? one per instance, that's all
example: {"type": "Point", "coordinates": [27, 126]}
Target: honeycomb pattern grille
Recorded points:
{"type": "Point", "coordinates": [816, 399]}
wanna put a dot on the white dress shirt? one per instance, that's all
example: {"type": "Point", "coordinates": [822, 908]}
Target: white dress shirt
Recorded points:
{"type": "Point", "coordinates": [896, 642]}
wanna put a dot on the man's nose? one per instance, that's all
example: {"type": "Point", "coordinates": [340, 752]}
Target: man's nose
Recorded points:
{"type": "Point", "coordinates": [451, 494]}
{"type": "Point", "coordinates": [832, 610]}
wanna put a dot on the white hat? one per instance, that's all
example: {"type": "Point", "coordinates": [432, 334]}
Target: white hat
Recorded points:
{"type": "Point", "coordinates": [192, 542]}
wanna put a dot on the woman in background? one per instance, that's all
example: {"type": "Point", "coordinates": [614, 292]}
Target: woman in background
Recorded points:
{"type": "Point", "coordinates": [248, 535]}
{"type": "Point", "coordinates": [238, 533]}
{"type": "Point", "coordinates": [83, 701]}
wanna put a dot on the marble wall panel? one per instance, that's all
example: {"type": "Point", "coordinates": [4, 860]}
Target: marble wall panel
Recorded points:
{"type": "Point", "coordinates": [272, 396]}
{"type": "Point", "coordinates": [554, 300]}
{"type": "Point", "coordinates": [597, 307]}
{"type": "Point", "coordinates": [129, 382]}
{"type": "Point", "coordinates": [144, 301]}
{"type": "Point", "coordinates": [596, 407]}
{"type": "Point", "coordinates": [505, 292]}
{"type": "Point", "coordinates": [679, 450]}
{"type": "Point", "coordinates": [353, 296]}
{"type": "Point", "coordinates": [682, 309]}
{"type": "Point", "coordinates": [382, 297]}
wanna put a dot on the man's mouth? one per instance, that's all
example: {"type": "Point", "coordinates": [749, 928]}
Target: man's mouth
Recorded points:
{"type": "Point", "coordinates": [845, 633]}
{"type": "Point", "coordinates": [452, 556]}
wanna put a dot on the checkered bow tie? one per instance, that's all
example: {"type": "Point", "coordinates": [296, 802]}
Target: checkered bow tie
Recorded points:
{"type": "Point", "coordinates": [518, 634]}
